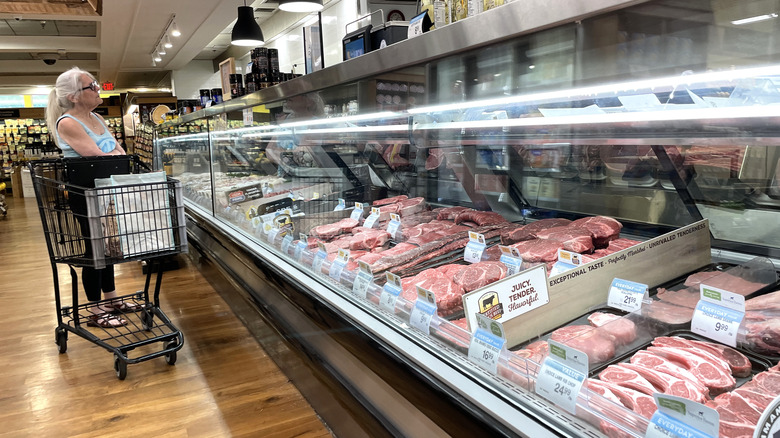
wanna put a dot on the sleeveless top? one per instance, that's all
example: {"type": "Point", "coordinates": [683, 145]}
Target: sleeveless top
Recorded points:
{"type": "Point", "coordinates": [104, 141]}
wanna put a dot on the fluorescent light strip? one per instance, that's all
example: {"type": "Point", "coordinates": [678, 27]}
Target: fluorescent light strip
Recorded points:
{"type": "Point", "coordinates": [651, 116]}
{"type": "Point", "coordinates": [755, 19]}
{"type": "Point", "coordinates": [605, 90]}
{"type": "Point", "coordinates": [382, 128]}
{"type": "Point", "coordinates": [269, 134]}
{"type": "Point", "coordinates": [347, 119]}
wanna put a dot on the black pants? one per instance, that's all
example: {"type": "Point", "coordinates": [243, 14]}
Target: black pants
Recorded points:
{"type": "Point", "coordinates": [94, 280]}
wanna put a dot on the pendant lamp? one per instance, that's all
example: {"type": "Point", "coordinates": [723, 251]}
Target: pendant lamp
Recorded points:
{"type": "Point", "coordinates": [300, 5]}
{"type": "Point", "coordinates": [246, 32]}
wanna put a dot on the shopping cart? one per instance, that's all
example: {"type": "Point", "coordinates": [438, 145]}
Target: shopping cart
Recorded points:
{"type": "Point", "coordinates": [91, 222]}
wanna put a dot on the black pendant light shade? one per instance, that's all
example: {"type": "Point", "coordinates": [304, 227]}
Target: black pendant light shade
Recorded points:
{"type": "Point", "coordinates": [300, 5]}
{"type": "Point", "coordinates": [246, 32]}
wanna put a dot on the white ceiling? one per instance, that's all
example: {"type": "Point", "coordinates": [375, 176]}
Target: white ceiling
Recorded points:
{"type": "Point", "coordinates": [117, 45]}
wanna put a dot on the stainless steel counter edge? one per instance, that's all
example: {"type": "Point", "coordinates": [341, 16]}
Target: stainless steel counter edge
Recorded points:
{"type": "Point", "coordinates": [498, 24]}
{"type": "Point", "coordinates": [535, 419]}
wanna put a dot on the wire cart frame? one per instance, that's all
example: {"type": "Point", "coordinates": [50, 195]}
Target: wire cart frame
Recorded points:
{"type": "Point", "coordinates": [89, 226]}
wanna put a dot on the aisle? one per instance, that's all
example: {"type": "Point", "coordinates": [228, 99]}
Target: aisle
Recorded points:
{"type": "Point", "coordinates": [222, 385]}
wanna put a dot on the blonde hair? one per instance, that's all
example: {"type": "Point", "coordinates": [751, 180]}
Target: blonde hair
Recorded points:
{"type": "Point", "coordinates": [68, 84]}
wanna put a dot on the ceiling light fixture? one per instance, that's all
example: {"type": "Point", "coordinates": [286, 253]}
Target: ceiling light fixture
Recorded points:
{"type": "Point", "coordinates": [161, 50]}
{"type": "Point", "coordinates": [246, 31]}
{"type": "Point", "coordinates": [163, 41]}
{"type": "Point", "coordinates": [755, 19]}
{"type": "Point", "coordinates": [156, 57]}
{"type": "Point", "coordinates": [154, 61]}
{"type": "Point", "coordinates": [175, 32]}
{"type": "Point", "coordinates": [300, 5]}
{"type": "Point", "coordinates": [167, 42]}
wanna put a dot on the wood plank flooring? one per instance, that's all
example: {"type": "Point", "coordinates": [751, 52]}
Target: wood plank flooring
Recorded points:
{"type": "Point", "coordinates": [222, 385]}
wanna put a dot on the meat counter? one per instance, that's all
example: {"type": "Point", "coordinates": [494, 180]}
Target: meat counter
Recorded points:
{"type": "Point", "coordinates": [522, 178]}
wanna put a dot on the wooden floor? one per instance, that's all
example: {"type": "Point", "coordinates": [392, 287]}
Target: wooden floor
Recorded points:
{"type": "Point", "coordinates": [222, 385]}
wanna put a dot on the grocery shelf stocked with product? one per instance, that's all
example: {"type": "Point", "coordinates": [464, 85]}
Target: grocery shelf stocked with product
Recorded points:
{"type": "Point", "coordinates": [562, 228]}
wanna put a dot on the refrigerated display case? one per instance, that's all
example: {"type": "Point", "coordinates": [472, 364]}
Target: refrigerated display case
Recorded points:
{"type": "Point", "coordinates": [657, 118]}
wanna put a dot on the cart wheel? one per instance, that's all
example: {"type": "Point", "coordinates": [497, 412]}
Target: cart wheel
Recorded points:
{"type": "Point", "coordinates": [170, 358]}
{"type": "Point", "coordinates": [120, 366]}
{"type": "Point", "coordinates": [61, 339]}
{"type": "Point", "coordinates": [147, 320]}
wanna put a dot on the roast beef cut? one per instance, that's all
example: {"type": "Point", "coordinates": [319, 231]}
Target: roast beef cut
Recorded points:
{"type": "Point", "coordinates": [664, 365]}
{"type": "Point", "coordinates": [410, 207]}
{"type": "Point", "coordinates": [450, 213]}
{"type": "Point", "coordinates": [369, 239]}
{"type": "Point", "coordinates": [330, 231]}
{"type": "Point", "coordinates": [538, 250]}
{"type": "Point", "coordinates": [717, 379]}
{"type": "Point", "coordinates": [622, 375]}
{"type": "Point", "coordinates": [599, 347]}
{"type": "Point", "coordinates": [480, 218]}
{"type": "Point", "coordinates": [392, 200]}
{"type": "Point", "coordinates": [529, 231]}
{"type": "Point", "coordinates": [451, 270]}
{"type": "Point", "coordinates": [623, 329]}
{"type": "Point", "coordinates": [480, 274]}
{"type": "Point", "coordinates": [603, 228]}
{"type": "Point", "coordinates": [448, 294]}
{"type": "Point", "coordinates": [575, 239]}
{"type": "Point", "coordinates": [621, 244]}
{"type": "Point", "coordinates": [669, 384]}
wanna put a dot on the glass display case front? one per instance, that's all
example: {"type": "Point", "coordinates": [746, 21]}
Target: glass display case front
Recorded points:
{"type": "Point", "coordinates": [522, 181]}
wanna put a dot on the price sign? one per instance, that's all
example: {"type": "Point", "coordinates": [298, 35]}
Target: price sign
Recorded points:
{"type": "Point", "coordinates": [286, 241]}
{"type": "Point", "coordinates": [626, 295]}
{"type": "Point", "coordinates": [510, 256]}
{"type": "Point", "coordinates": [415, 26]}
{"type": "Point", "coordinates": [562, 375]}
{"type": "Point", "coordinates": [248, 117]}
{"type": "Point", "coordinates": [394, 227]}
{"type": "Point", "coordinates": [487, 343]}
{"type": "Point", "coordinates": [357, 213]}
{"type": "Point", "coordinates": [423, 310]}
{"type": "Point", "coordinates": [363, 280]}
{"type": "Point", "coordinates": [475, 248]}
{"type": "Point", "coordinates": [341, 205]}
{"type": "Point", "coordinates": [316, 264]}
{"type": "Point", "coordinates": [718, 315]}
{"type": "Point", "coordinates": [372, 218]}
{"type": "Point", "coordinates": [338, 264]}
{"type": "Point", "coordinates": [390, 292]}
{"type": "Point", "coordinates": [680, 417]}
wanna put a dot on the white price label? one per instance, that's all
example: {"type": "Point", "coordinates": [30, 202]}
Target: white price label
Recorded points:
{"type": "Point", "coordinates": [680, 417]}
{"type": "Point", "coordinates": [371, 219]}
{"type": "Point", "coordinates": [248, 117]}
{"type": "Point", "coordinates": [626, 295]}
{"type": "Point", "coordinates": [390, 293]}
{"type": "Point", "coordinates": [362, 282]}
{"type": "Point", "coordinates": [561, 376]}
{"type": "Point", "coordinates": [299, 250]}
{"type": "Point", "coordinates": [511, 258]}
{"type": "Point", "coordinates": [286, 241]}
{"type": "Point", "coordinates": [394, 226]}
{"type": "Point", "coordinates": [487, 343]}
{"type": "Point", "coordinates": [718, 315]}
{"type": "Point", "coordinates": [316, 265]}
{"type": "Point", "coordinates": [357, 213]}
{"type": "Point", "coordinates": [336, 268]}
{"type": "Point", "coordinates": [475, 248]}
{"type": "Point", "coordinates": [421, 315]}
{"type": "Point", "coordinates": [341, 205]}
{"type": "Point", "coordinates": [415, 26]}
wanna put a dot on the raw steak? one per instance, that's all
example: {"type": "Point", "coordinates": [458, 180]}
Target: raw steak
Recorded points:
{"type": "Point", "coordinates": [590, 340]}
{"type": "Point", "coordinates": [715, 358]}
{"type": "Point", "coordinates": [599, 388]}
{"type": "Point", "coordinates": [762, 334]}
{"type": "Point", "coordinates": [669, 384]}
{"type": "Point", "coordinates": [492, 254]}
{"type": "Point", "coordinates": [739, 363]}
{"type": "Point", "coordinates": [603, 228]}
{"type": "Point", "coordinates": [391, 155]}
{"type": "Point", "coordinates": [480, 274]}
{"type": "Point", "coordinates": [385, 210]}
{"type": "Point", "coordinates": [369, 239]}
{"type": "Point", "coordinates": [451, 270]}
{"type": "Point", "coordinates": [717, 379]}
{"type": "Point", "coordinates": [724, 280]}
{"type": "Point", "coordinates": [575, 239]}
{"type": "Point", "coordinates": [769, 381]}
{"type": "Point", "coordinates": [667, 313]}
{"type": "Point", "coordinates": [683, 297]}
{"type": "Point", "coordinates": [621, 244]}
{"type": "Point", "coordinates": [664, 365]}
{"type": "Point", "coordinates": [737, 404]}
{"type": "Point", "coordinates": [448, 294]}
{"type": "Point", "coordinates": [528, 232]}
{"type": "Point", "coordinates": [480, 218]}
{"type": "Point", "coordinates": [728, 429]}
{"type": "Point", "coordinates": [329, 231]}
{"type": "Point", "coordinates": [624, 376]}
{"type": "Point", "coordinates": [623, 329]}
{"type": "Point", "coordinates": [411, 207]}
{"type": "Point", "coordinates": [392, 200]}
{"type": "Point", "coordinates": [758, 399]}
{"type": "Point", "coordinates": [450, 213]}
{"type": "Point", "coordinates": [770, 301]}
{"type": "Point", "coordinates": [636, 401]}
{"type": "Point", "coordinates": [538, 250]}
{"type": "Point", "coordinates": [435, 158]}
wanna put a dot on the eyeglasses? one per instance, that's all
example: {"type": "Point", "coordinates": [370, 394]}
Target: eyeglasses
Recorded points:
{"type": "Point", "coordinates": [93, 86]}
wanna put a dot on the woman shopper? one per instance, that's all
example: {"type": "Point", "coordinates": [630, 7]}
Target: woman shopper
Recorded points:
{"type": "Point", "coordinates": [79, 132]}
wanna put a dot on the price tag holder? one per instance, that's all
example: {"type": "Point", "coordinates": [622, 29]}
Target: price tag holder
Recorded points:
{"type": "Point", "coordinates": [272, 233]}
{"type": "Point", "coordinates": [475, 248]}
{"type": "Point", "coordinates": [390, 292]}
{"type": "Point", "coordinates": [357, 213]}
{"type": "Point", "coordinates": [372, 218]}
{"type": "Point", "coordinates": [394, 226]}
{"type": "Point", "coordinates": [487, 343]}
{"type": "Point", "coordinates": [286, 241]}
{"type": "Point", "coordinates": [341, 205]}
{"type": "Point", "coordinates": [626, 295]}
{"type": "Point", "coordinates": [680, 417]}
{"type": "Point", "coordinates": [718, 315]}
{"type": "Point", "coordinates": [316, 264]}
{"type": "Point", "coordinates": [423, 310]}
{"type": "Point", "coordinates": [416, 25]}
{"type": "Point", "coordinates": [363, 280]}
{"type": "Point", "coordinates": [337, 267]}
{"type": "Point", "coordinates": [510, 256]}
{"type": "Point", "coordinates": [562, 375]}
